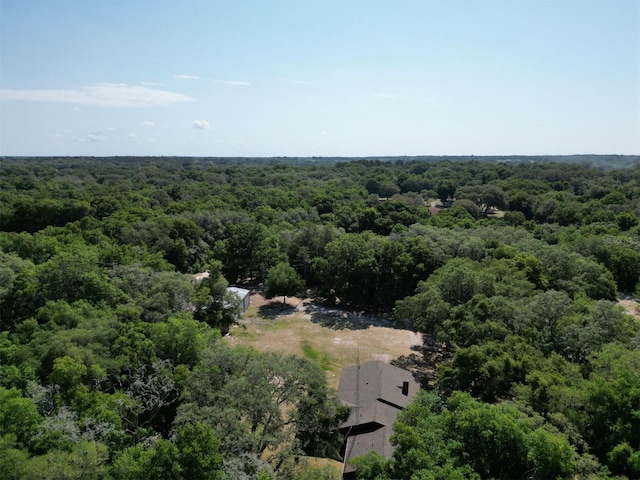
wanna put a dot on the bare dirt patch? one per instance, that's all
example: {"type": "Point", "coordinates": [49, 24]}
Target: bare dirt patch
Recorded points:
{"type": "Point", "coordinates": [332, 337]}
{"type": "Point", "coordinates": [200, 276]}
{"type": "Point", "coordinates": [631, 305]}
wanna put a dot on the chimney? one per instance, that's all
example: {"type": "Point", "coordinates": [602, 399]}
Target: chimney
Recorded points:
{"type": "Point", "coordinates": [405, 388]}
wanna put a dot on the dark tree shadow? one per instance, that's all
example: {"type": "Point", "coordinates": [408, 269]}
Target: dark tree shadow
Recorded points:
{"type": "Point", "coordinates": [337, 319]}
{"type": "Point", "coordinates": [424, 363]}
{"type": "Point", "coordinates": [275, 309]}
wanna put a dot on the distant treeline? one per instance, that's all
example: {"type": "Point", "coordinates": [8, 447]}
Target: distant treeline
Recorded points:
{"type": "Point", "coordinates": [593, 160]}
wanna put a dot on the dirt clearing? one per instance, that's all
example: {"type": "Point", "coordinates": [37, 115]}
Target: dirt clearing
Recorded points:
{"type": "Point", "coordinates": [331, 337]}
{"type": "Point", "coordinates": [631, 305]}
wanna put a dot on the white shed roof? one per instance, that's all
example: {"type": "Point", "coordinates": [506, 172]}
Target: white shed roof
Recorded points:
{"type": "Point", "coordinates": [241, 292]}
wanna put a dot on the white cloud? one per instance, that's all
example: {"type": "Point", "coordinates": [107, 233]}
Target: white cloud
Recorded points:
{"type": "Point", "coordinates": [233, 82]}
{"type": "Point", "coordinates": [200, 124]}
{"type": "Point", "coordinates": [102, 95]}
{"type": "Point", "coordinates": [186, 77]}
{"type": "Point", "coordinates": [92, 137]}
{"type": "Point", "coordinates": [147, 123]}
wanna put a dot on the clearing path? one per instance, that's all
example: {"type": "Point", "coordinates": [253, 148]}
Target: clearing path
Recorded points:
{"type": "Point", "coordinates": [331, 337]}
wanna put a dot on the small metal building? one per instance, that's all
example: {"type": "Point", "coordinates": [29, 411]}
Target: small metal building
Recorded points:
{"type": "Point", "coordinates": [243, 294]}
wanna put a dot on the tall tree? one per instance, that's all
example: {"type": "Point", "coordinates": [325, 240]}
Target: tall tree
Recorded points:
{"type": "Point", "coordinates": [261, 403]}
{"type": "Point", "coordinates": [283, 280]}
{"type": "Point", "coordinates": [464, 438]}
{"type": "Point", "coordinates": [216, 305]}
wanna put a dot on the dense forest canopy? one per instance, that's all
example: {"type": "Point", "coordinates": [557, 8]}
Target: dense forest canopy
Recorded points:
{"type": "Point", "coordinates": [112, 365]}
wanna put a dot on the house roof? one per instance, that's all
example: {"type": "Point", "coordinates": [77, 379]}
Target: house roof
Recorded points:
{"type": "Point", "coordinates": [376, 391]}
{"type": "Point", "coordinates": [379, 384]}
{"type": "Point", "coordinates": [241, 292]}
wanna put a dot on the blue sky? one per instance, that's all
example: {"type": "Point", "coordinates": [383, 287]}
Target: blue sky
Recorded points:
{"type": "Point", "coordinates": [319, 77]}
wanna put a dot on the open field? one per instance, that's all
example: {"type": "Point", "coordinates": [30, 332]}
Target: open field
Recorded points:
{"type": "Point", "coordinates": [333, 338]}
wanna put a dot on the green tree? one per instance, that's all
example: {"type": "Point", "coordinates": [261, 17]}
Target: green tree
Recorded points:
{"type": "Point", "coordinates": [532, 268]}
{"type": "Point", "coordinates": [470, 439]}
{"type": "Point", "coordinates": [243, 251]}
{"type": "Point", "coordinates": [456, 217]}
{"type": "Point", "coordinates": [427, 310]}
{"type": "Point", "coordinates": [215, 305]}
{"type": "Point", "coordinates": [458, 282]}
{"type": "Point", "coordinates": [613, 408]}
{"type": "Point", "coordinates": [446, 191]}
{"type": "Point", "coordinates": [544, 319]}
{"type": "Point", "coordinates": [10, 266]}
{"type": "Point", "coordinates": [624, 460]}
{"type": "Point", "coordinates": [349, 268]}
{"type": "Point", "coordinates": [586, 333]}
{"type": "Point", "coordinates": [198, 452]}
{"type": "Point", "coordinates": [371, 466]}
{"type": "Point", "coordinates": [555, 388]}
{"type": "Point", "coordinates": [484, 196]}
{"type": "Point", "coordinates": [489, 370]}
{"type": "Point", "coordinates": [86, 460]}
{"type": "Point", "coordinates": [283, 280]}
{"type": "Point", "coordinates": [161, 461]}
{"type": "Point", "coordinates": [18, 416]}
{"type": "Point", "coordinates": [13, 461]}
{"type": "Point", "coordinates": [68, 372]}
{"type": "Point", "coordinates": [181, 339]}
{"type": "Point", "coordinates": [261, 403]}
{"type": "Point", "coordinates": [627, 220]}
{"type": "Point", "coordinates": [156, 294]}
{"type": "Point", "coordinates": [247, 467]}
{"type": "Point", "coordinates": [624, 263]}
{"type": "Point", "coordinates": [480, 320]}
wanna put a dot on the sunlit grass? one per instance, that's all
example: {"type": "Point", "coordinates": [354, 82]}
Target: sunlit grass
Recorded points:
{"type": "Point", "coordinates": [331, 348]}
{"type": "Point", "coordinates": [243, 333]}
{"type": "Point", "coordinates": [321, 358]}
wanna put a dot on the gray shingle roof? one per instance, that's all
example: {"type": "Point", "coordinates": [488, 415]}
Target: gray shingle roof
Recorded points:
{"type": "Point", "coordinates": [376, 391]}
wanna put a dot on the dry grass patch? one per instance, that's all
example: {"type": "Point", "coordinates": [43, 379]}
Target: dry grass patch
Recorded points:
{"type": "Point", "coordinates": [332, 338]}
